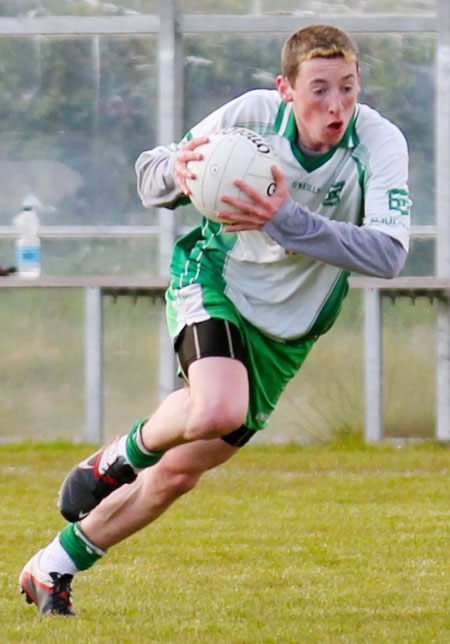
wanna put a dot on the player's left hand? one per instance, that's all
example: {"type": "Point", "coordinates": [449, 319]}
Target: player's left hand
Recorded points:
{"type": "Point", "coordinates": [252, 215]}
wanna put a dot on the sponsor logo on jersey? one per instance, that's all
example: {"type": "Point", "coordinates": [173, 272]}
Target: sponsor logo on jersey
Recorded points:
{"type": "Point", "coordinates": [387, 220]}
{"type": "Point", "coordinates": [333, 196]}
{"type": "Point", "coordinates": [304, 185]}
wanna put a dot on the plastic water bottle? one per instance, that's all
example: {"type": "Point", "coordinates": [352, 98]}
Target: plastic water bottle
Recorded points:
{"type": "Point", "coordinates": [28, 245]}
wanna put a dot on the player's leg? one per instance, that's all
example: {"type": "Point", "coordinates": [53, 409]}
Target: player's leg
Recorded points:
{"type": "Point", "coordinates": [212, 358]}
{"type": "Point", "coordinates": [214, 404]}
{"type": "Point", "coordinates": [270, 365]}
{"type": "Point", "coordinates": [155, 489]}
{"type": "Point", "coordinates": [181, 416]}
{"type": "Point", "coordinates": [46, 578]}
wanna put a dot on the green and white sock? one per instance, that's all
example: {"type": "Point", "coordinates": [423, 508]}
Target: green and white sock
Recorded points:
{"type": "Point", "coordinates": [136, 452]}
{"type": "Point", "coordinates": [83, 552]}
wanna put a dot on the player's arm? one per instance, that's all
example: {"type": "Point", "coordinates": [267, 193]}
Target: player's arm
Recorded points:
{"type": "Point", "coordinates": [354, 248]}
{"type": "Point", "coordinates": [162, 173]}
{"type": "Point", "coordinates": [351, 247]}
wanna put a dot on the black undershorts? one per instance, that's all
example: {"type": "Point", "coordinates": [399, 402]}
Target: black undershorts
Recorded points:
{"type": "Point", "coordinates": [213, 338]}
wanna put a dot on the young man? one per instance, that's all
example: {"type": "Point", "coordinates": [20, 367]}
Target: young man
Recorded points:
{"type": "Point", "coordinates": [247, 300]}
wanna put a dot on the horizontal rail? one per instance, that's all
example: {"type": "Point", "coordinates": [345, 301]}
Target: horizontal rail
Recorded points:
{"type": "Point", "coordinates": [427, 285]}
{"type": "Point", "coordinates": [80, 25]}
{"type": "Point", "coordinates": [65, 232]}
{"type": "Point", "coordinates": [153, 286]}
{"type": "Point", "coordinates": [136, 23]}
{"type": "Point", "coordinates": [427, 282]}
{"type": "Point", "coordinates": [423, 231]}
{"type": "Point", "coordinates": [287, 22]}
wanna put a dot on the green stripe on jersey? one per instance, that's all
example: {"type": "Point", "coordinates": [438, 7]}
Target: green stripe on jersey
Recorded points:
{"type": "Point", "coordinates": [200, 255]}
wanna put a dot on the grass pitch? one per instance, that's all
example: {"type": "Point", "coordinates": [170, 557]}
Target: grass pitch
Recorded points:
{"type": "Point", "coordinates": [287, 544]}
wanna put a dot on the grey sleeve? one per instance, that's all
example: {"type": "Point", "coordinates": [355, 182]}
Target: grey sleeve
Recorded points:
{"type": "Point", "coordinates": [353, 248]}
{"type": "Point", "coordinates": [155, 183]}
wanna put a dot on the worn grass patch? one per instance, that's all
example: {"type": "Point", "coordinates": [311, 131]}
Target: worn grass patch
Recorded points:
{"type": "Point", "coordinates": [331, 544]}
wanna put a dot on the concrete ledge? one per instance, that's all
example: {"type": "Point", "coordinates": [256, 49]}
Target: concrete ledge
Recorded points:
{"type": "Point", "coordinates": [431, 287]}
{"type": "Point", "coordinates": [135, 286]}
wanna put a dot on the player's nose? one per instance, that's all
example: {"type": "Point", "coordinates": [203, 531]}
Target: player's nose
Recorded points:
{"type": "Point", "coordinates": [335, 102]}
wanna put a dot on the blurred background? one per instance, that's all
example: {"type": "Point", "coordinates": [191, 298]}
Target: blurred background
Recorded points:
{"type": "Point", "coordinates": [77, 109]}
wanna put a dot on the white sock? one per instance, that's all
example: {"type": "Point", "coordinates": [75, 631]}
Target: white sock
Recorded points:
{"type": "Point", "coordinates": [55, 559]}
{"type": "Point", "coordinates": [122, 447]}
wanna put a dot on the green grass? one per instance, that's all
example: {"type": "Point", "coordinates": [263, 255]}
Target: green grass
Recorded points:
{"type": "Point", "coordinates": [305, 545]}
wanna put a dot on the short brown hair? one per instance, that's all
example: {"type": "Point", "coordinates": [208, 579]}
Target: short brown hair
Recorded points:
{"type": "Point", "coordinates": [316, 41]}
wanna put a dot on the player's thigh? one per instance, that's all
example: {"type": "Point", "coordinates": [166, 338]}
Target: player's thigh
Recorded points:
{"type": "Point", "coordinates": [212, 359]}
{"type": "Point", "coordinates": [219, 383]}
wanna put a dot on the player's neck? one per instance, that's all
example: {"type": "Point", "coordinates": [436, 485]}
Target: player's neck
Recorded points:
{"type": "Point", "coordinates": [307, 152]}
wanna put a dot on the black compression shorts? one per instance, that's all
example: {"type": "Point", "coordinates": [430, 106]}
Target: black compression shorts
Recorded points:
{"type": "Point", "coordinates": [213, 338]}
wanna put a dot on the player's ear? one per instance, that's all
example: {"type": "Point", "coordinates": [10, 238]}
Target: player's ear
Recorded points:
{"type": "Point", "coordinates": [284, 89]}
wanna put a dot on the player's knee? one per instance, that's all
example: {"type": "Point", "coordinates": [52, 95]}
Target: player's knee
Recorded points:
{"type": "Point", "coordinates": [213, 421]}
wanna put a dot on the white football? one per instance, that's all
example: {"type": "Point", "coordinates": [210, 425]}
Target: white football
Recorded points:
{"type": "Point", "coordinates": [232, 153]}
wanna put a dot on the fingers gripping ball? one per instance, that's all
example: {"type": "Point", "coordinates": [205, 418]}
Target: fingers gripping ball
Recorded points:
{"type": "Point", "coordinates": [232, 153]}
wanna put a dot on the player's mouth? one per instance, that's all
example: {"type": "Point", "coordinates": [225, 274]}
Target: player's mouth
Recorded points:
{"type": "Point", "coordinates": [335, 126]}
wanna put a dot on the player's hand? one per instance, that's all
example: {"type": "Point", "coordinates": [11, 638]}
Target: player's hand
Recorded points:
{"type": "Point", "coordinates": [252, 215]}
{"type": "Point", "coordinates": [185, 154]}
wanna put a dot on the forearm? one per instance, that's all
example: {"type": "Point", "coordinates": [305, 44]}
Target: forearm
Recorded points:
{"type": "Point", "coordinates": [354, 248]}
{"type": "Point", "coordinates": [155, 181]}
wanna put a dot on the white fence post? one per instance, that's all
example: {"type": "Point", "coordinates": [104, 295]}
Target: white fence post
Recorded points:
{"type": "Point", "coordinates": [373, 366]}
{"type": "Point", "coordinates": [443, 216]}
{"type": "Point", "coordinates": [170, 124]}
{"type": "Point", "coordinates": [94, 364]}
{"type": "Point", "coordinates": [443, 372]}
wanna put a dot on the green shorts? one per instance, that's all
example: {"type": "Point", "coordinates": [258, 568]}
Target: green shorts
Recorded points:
{"type": "Point", "coordinates": [270, 363]}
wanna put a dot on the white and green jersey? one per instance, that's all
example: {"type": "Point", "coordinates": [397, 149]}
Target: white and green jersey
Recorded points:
{"type": "Point", "coordinates": [362, 181]}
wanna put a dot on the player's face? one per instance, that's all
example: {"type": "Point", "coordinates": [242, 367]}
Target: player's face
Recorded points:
{"type": "Point", "coordinates": [323, 97]}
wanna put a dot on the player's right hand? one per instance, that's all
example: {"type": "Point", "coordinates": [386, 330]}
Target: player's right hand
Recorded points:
{"type": "Point", "coordinates": [185, 154]}
{"type": "Point", "coordinates": [253, 213]}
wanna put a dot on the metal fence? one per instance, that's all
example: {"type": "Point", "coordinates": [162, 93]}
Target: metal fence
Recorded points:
{"type": "Point", "coordinates": [170, 26]}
